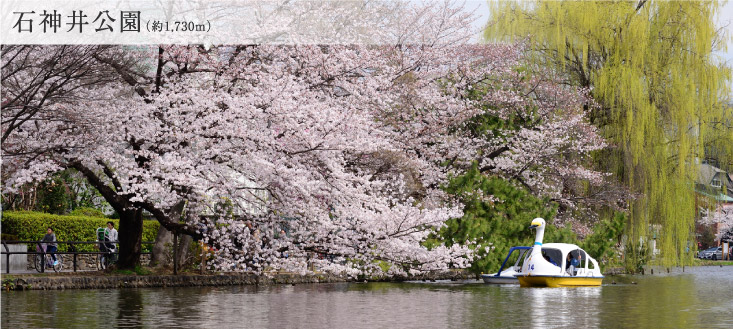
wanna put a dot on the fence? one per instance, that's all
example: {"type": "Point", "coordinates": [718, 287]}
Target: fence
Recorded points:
{"type": "Point", "coordinates": [71, 251]}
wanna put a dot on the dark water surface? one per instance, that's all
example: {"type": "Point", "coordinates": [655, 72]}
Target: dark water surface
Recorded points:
{"type": "Point", "coordinates": [701, 297]}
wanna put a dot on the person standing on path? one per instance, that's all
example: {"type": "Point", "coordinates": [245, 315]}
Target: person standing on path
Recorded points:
{"type": "Point", "coordinates": [111, 236]}
{"type": "Point", "coordinates": [50, 239]}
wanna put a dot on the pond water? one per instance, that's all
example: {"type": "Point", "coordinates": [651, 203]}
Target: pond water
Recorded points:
{"type": "Point", "coordinates": [699, 297]}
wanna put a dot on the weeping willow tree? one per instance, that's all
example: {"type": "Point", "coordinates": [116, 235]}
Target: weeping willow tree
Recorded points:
{"type": "Point", "coordinates": [651, 65]}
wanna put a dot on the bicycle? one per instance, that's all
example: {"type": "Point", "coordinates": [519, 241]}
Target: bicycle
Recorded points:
{"type": "Point", "coordinates": [107, 258]}
{"type": "Point", "coordinates": [42, 258]}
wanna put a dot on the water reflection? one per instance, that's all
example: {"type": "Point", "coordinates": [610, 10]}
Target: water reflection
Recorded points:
{"type": "Point", "coordinates": [699, 297]}
{"type": "Point", "coordinates": [660, 301]}
{"type": "Point", "coordinates": [553, 307]}
{"type": "Point", "coordinates": [130, 309]}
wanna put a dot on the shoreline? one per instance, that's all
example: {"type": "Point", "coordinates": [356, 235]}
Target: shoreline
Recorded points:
{"type": "Point", "coordinates": [100, 280]}
{"type": "Point", "coordinates": [97, 280]}
{"type": "Point", "coordinates": [113, 281]}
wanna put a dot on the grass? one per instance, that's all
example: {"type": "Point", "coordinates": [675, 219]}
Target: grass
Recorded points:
{"type": "Point", "coordinates": [139, 270]}
{"type": "Point", "coordinates": [707, 262]}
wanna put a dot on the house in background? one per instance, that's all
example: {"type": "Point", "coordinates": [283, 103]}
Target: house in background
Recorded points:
{"type": "Point", "coordinates": [715, 186]}
{"type": "Point", "coordinates": [714, 182]}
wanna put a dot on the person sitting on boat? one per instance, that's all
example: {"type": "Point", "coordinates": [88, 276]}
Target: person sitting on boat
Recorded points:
{"type": "Point", "coordinates": [572, 263]}
{"type": "Point", "coordinates": [549, 259]}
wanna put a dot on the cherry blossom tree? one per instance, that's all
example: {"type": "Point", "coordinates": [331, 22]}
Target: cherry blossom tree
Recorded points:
{"type": "Point", "coordinates": [273, 154]}
{"type": "Point", "coordinates": [35, 79]}
{"type": "Point", "coordinates": [722, 215]}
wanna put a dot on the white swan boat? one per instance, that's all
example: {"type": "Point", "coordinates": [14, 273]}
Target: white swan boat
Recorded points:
{"type": "Point", "coordinates": [557, 264]}
{"type": "Point", "coordinates": [507, 276]}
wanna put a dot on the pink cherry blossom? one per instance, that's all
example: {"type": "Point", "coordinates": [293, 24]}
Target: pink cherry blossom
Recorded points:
{"type": "Point", "coordinates": [344, 147]}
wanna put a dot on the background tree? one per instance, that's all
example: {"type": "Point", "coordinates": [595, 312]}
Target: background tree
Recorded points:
{"type": "Point", "coordinates": [727, 235]}
{"type": "Point", "coordinates": [606, 240]}
{"type": "Point", "coordinates": [651, 65]}
{"type": "Point", "coordinates": [68, 189]}
{"type": "Point", "coordinates": [721, 215]}
{"type": "Point", "coordinates": [495, 217]}
{"type": "Point", "coordinates": [535, 145]}
{"type": "Point", "coordinates": [37, 78]}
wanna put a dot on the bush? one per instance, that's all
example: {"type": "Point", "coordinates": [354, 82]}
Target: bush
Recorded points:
{"type": "Point", "coordinates": [8, 237]}
{"type": "Point", "coordinates": [31, 226]}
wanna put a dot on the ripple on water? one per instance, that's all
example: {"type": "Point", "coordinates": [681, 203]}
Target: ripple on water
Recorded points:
{"type": "Point", "coordinates": [698, 297]}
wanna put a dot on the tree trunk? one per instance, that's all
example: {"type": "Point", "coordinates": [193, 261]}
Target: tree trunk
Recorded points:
{"type": "Point", "coordinates": [184, 251]}
{"type": "Point", "coordinates": [165, 238]}
{"type": "Point", "coordinates": [130, 237]}
{"type": "Point", "coordinates": [163, 245]}
{"type": "Point", "coordinates": [158, 257]}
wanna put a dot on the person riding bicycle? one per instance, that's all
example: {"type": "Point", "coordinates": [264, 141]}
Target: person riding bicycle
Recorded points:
{"type": "Point", "coordinates": [51, 244]}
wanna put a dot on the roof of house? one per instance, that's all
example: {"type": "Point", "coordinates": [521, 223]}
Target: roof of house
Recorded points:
{"type": "Point", "coordinates": [705, 177]}
{"type": "Point", "coordinates": [707, 172]}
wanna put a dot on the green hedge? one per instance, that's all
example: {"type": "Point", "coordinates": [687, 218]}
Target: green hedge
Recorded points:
{"type": "Point", "coordinates": [31, 226]}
